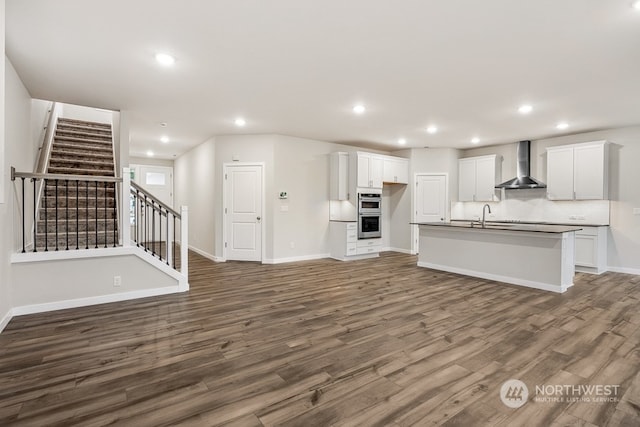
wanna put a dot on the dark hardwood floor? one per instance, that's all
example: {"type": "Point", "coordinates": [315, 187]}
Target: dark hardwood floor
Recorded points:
{"type": "Point", "coordinates": [369, 343]}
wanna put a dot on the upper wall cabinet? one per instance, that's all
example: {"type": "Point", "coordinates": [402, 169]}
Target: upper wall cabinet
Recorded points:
{"type": "Point", "coordinates": [477, 178]}
{"type": "Point", "coordinates": [578, 171]}
{"type": "Point", "coordinates": [395, 170]}
{"type": "Point", "coordinates": [368, 169]}
{"type": "Point", "coordinates": [339, 176]}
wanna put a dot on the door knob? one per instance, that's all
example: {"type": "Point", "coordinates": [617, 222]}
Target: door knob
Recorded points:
{"type": "Point", "coordinates": [258, 218]}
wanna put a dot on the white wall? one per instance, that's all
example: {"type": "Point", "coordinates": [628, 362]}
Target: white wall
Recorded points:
{"type": "Point", "coordinates": [150, 161]}
{"type": "Point", "coordinates": [39, 118]}
{"type": "Point", "coordinates": [301, 168]}
{"type": "Point", "coordinates": [89, 114]}
{"type": "Point", "coordinates": [194, 186]}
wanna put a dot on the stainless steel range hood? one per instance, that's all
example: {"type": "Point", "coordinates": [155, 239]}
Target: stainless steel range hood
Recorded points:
{"type": "Point", "coordinates": [523, 171]}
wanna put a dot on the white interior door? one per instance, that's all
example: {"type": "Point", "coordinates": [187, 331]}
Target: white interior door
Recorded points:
{"type": "Point", "coordinates": [243, 212]}
{"type": "Point", "coordinates": [431, 200]}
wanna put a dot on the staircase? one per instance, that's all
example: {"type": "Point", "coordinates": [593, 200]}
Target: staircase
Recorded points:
{"type": "Point", "coordinates": [79, 214]}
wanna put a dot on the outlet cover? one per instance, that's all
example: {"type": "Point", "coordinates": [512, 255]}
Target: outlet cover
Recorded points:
{"type": "Point", "coordinates": [117, 281]}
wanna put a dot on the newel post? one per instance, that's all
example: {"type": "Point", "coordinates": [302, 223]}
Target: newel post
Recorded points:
{"type": "Point", "coordinates": [184, 241]}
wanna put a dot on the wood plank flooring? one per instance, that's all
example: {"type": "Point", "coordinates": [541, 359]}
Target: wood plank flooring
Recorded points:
{"type": "Point", "coordinates": [367, 343]}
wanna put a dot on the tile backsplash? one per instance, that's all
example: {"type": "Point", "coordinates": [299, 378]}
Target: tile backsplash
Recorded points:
{"type": "Point", "coordinates": [532, 205]}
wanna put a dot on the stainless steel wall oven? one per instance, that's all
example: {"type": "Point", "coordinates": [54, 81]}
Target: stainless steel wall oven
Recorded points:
{"type": "Point", "coordinates": [369, 215]}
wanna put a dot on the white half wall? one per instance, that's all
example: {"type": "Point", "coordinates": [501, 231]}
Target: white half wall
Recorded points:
{"type": "Point", "coordinates": [57, 284]}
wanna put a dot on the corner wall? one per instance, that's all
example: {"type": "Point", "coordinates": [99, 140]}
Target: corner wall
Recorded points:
{"type": "Point", "coordinates": [194, 183]}
{"type": "Point", "coordinates": [5, 210]}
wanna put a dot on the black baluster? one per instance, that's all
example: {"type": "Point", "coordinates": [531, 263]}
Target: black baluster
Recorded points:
{"type": "Point", "coordinates": [77, 219]}
{"type": "Point", "coordinates": [174, 241]}
{"type": "Point", "coordinates": [66, 192]}
{"type": "Point", "coordinates": [46, 217]}
{"type": "Point", "coordinates": [95, 197]}
{"type": "Point", "coordinates": [23, 232]}
{"type": "Point", "coordinates": [35, 221]}
{"type": "Point", "coordinates": [105, 215]}
{"type": "Point", "coordinates": [56, 211]}
{"type": "Point", "coordinates": [160, 237]}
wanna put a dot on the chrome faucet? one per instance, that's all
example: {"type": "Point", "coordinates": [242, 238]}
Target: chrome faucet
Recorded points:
{"type": "Point", "coordinates": [484, 210]}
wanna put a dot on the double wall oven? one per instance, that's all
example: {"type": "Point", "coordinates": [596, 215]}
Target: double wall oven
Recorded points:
{"type": "Point", "coordinates": [369, 215]}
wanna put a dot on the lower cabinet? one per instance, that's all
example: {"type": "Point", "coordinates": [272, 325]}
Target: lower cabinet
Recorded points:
{"type": "Point", "coordinates": [345, 245]}
{"type": "Point", "coordinates": [591, 250]}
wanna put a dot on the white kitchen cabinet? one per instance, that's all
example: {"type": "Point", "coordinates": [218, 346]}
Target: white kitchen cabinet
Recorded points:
{"type": "Point", "coordinates": [344, 243]}
{"type": "Point", "coordinates": [367, 169]}
{"type": "Point", "coordinates": [578, 171]}
{"type": "Point", "coordinates": [477, 178]}
{"type": "Point", "coordinates": [339, 176]}
{"type": "Point", "coordinates": [395, 170]}
{"type": "Point", "coordinates": [591, 250]}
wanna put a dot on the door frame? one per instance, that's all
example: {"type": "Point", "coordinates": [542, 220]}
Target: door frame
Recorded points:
{"type": "Point", "coordinates": [415, 232]}
{"type": "Point", "coordinates": [225, 169]}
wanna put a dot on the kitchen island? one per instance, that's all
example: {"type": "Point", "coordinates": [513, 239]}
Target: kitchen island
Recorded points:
{"type": "Point", "coordinates": [539, 256]}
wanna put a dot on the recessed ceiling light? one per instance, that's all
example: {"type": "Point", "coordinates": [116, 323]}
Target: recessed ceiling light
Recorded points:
{"type": "Point", "coordinates": [240, 122]}
{"type": "Point", "coordinates": [165, 59]}
{"type": "Point", "coordinates": [562, 125]}
{"type": "Point", "coordinates": [359, 109]}
{"type": "Point", "coordinates": [525, 109]}
{"type": "Point", "coordinates": [149, 153]}
{"type": "Point", "coordinates": [636, 5]}
{"type": "Point", "coordinates": [475, 140]}
{"type": "Point", "coordinates": [163, 124]}
{"type": "Point", "coordinates": [432, 129]}
{"type": "Point", "coordinates": [164, 139]}
{"type": "Point", "coordinates": [402, 141]}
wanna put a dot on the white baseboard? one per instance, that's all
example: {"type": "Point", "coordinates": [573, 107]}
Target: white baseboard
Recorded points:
{"type": "Point", "coordinates": [624, 270]}
{"type": "Point", "coordinates": [102, 299]}
{"type": "Point", "coordinates": [206, 254]}
{"type": "Point", "coordinates": [6, 319]}
{"type": "Point", "coordinates": [497, 278]}
{"type": "Point", "coordinates": [402, 251]}
{"type": "Point", "coordinates": [295, 259]}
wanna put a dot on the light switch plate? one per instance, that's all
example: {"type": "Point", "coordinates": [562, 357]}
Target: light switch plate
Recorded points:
{"type": "Point", "coordinates": [636, 211]}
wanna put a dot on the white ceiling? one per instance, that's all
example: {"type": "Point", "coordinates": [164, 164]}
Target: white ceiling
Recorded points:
{"type": "Point", "coordinates": [297, 67]}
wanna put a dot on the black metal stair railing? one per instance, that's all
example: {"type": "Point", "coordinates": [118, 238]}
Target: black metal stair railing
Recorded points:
{"type": "Point", "coordinates": [63, 209]}
{"type": "Point", "coordinates": [153, 226]}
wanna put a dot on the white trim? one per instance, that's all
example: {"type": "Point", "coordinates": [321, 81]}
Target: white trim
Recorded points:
{"type": "Point", "coordinates": [101, 299]}
{"type": "Point", "coordinates": [401, 250]}
{"type": "Point", "coordinates": [624, 270]}
{"type": "Point", "coordinates": [6, 319]}
{"type": "Point", "coordinates": [204, 253]}
{"type": "Point", "coordinates": [225, 167]}
{"type": "Point", "coordinates": [294, 259]}
{"type": "Point", "coordinates": [496, 277]}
